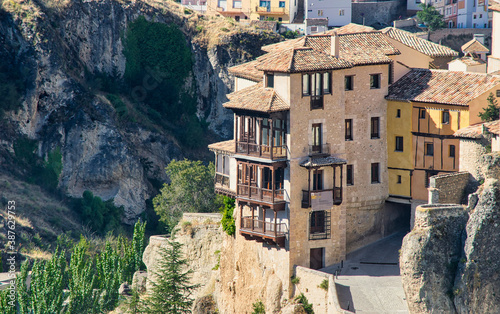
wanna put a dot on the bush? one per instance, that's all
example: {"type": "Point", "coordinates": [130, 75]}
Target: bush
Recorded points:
{"type": "Point", "coordinates": [291, 34]}
{"type": "Point", "coordinates": [307, 306]}
{"type": "Point", "coordinates": [228, 223]}
{"type": "Point", "coordinates": [258, 308]}
{"type": "Point", "coordinates": [101, 216]}
{"type": "Point", "coordinates": [324, 284]}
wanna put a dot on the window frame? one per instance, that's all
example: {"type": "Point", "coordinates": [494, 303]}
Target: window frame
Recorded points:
{"type": "Point", "coordinates": [399, 144]}
{"type": "Point", "coordinates": [421, 113]}
{"type": "Point", "coordinates": [399, 179]}
{"type": "Point", "coordinates": [348, 130]}
{"type": "Point", "coordinates": [373, 126]}
{"type": "Point", "coordinates": [375, 172]}
{"type": "Point", "coordinates": [427, 151]}
{"type": "Point", "coordinates": [450, 150]}
{"type": "Point", "coordinates": [375, 84]}
{"type": "Point", "coordinates": [284, 4]}
{"type": "Point", "coordinates": [349, 175]}
{"type": "Point", "coordinates": [398, 113]}
{"type": "Point", "coordinates": [351, 82]}
{"type": "Point", "coordinates": [445, 117]}
{"type": "Point", "coordinates": [317, 180]}
{"type": "Point", "coordinates": [270, 80]}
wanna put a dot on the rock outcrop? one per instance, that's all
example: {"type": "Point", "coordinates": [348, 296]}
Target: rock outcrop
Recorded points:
{"type": "Point", "coordinates": [62, 49]}
{"type": "Point", "coordinates": [449, 262]}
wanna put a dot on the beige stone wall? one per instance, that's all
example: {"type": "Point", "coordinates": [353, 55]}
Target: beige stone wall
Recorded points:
{"type": "Point", "coordinates": [449, 188]}
{"type": "Point", "coordinates": [470, 153]}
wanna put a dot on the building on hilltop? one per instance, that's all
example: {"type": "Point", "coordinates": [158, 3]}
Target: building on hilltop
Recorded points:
{"type": "Point", "coordinates": [424, 109]}
{"type": "Point", "coordinates": [308, 164]}
{"type": "Point", "coordinates": [280, 11]}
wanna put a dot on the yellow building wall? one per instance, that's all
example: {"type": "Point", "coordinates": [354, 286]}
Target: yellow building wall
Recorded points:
{"type": "Point", "coordinates": [399, 163]}
{"type": "Point", "coordinates": [285, 16]}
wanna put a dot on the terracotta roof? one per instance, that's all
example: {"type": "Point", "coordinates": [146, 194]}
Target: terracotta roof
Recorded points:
{"type": "Point", "coordinates": [357, 49]}
{"type": "Point", "coordinates": [476, 130]}
{"type": "Point", "coordinates": [495, 7]}
{"type": "Point", "coordinates": [474, 46]}
{"type": "Point", "coordinates": [352, 28]}
{"type": "Point", "coordinates": [424, 46]}
{"type": "Point", "coordinates": [441, 86]}
{"type": "Point", "coordinates": [470, 61]}
{"type": "Point", "coordinates": [248, 71]}
{"type": "Point", "coordinates": [256, 98]}
{"type": "Point", "coordinates": [300, 59]}
{"type": "Point", "coordinates": [226, 147]}
{"type": "Point", "coordinates": [322, 161]}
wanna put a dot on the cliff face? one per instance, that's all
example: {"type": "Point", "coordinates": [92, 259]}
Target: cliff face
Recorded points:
{"type": "Point", "coordinates": [449, 261]}
{"type": "Point", "coordinates": [60, 48]}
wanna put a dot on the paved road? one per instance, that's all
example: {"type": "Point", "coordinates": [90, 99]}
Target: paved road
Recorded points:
{"type": "Point", "coordinates": [370, 282]}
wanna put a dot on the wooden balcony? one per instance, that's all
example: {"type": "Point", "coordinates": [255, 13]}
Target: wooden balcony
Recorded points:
{"type": "Point", "coordinates": [262, 151]}
{"type": "Point", "coordinates": [337, 196]}
{"type": "Point", "coordinates": [262, 196]}
{"type": "Point", "coordinates": [222, 185]}
{"type": "Point", "coordinates": [263, 231]}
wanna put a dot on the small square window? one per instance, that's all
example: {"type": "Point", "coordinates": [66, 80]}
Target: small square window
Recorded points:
{"type": "Point", "coordinates": [374, 81]}
{"type": "Point", "coordinates": [320, 12]}
{"type": "Point", "coordinates": [445, 118]}
{"type": "Point", "coordinates": [282, 4]}
{"type": "Point", "coordinates": [314, 28]}
{"type": "Point", "coordinates": [348, 129]}
{"type": "Point", "coordinates": [399, 179]}
{"type": "Point", "coordinates": [399, 143]}
{"type": "Point", "coordinates": [349, 82]}
{"type": "Point", "coordinates": [398, 113]}
{"type": "Point", "coordinates": [429, 149]}
{"type": "Point", "coordinates": [349, 175]}
{"type": "Point", "coordinates": [421, 113]}
{"type": "Point", "coordinates": [375, 173]}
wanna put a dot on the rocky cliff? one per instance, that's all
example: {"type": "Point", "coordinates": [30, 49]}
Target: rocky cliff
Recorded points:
{"type": "Point", "coordinates": [449, 261]}
{"type": "Point", "coordinates": [64, 49]}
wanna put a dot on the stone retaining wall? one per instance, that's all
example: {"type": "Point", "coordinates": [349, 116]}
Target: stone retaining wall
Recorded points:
{"type": "Point", "coordinates": [448, 188]}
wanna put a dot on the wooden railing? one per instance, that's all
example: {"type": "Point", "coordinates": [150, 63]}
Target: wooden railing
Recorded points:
{"type": "Point", "coordinates": [306, 196]}
{"type": "Point", "coordinates": [257, 193]}
{"type": "Point", "coordinates": [263, 227]}
{"type": "Point", "coordinates": [222, 179]}
{"type": "Point", "coordinates": [266, 151]}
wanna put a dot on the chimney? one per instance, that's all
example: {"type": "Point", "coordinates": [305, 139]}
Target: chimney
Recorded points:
{"type": "Point", "coordinates": [479, 38]}
{"type": "Point", "coordinates": [335, 48]}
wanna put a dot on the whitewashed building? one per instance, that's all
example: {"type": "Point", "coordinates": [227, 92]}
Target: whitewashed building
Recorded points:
{"type": "Point", "coordinates": [473, 14]}
{"type": "Point", "coordinates": [338, 12]}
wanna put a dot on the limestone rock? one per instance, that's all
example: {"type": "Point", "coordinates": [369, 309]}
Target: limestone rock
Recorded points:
{"type": "Point", "coordinates": [124, 289]}
{"type": "Point", "coordinates": [139, 281]}
{"type": "Point", "coordinates": [293, 309]}
{"type": "Point", "coordinates": [205, 305]}
{"type": "Point", "coordinates": [274, 292]}
{"type": "Point", "coordinates": [429, 256]}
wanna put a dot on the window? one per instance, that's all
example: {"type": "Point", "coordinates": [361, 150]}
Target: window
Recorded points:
{"type": "Point", "coordinates": [375, 173]}
{"type": "Point", "coordinates": [498, 92]}
{"type": "Point", "coordinates": [317, 180]}
{"type": "Point", "coordinates": [237, 5]}
{"type": "Point", "coordinates": [398, 113]}
{"type": "Point", "coordinates": [480, 15]}
{"type": "Point", "coordinates": [399, 179]}
{"type": "Point", "coordinates": [314, 28]}
{"type": "Point", "coordinates": [282, 4]}
{"type": "Point", "coordinates": [237, 18]}
{"type": "Point", "coordinates": [421, 113]}
{"type": "Point", "coordinates": [305, 85]}
{"type": "Point", "coordinates": [374, 81]}
{"type": "Point", "coordinates": [326, 83]}
{"type": "Point", "coordinates": [429, 149]}
{"type": "Point", "coordinates": [341, 12]}
{"type": "Point", "coordinates": [270, 80]}
{"type": "Point", "coordinates": [375, 127]}
{"type": "Point", "coordinates": [348, 129]}
{"type": "Point", "coordinates": [317, 223]}
{"type": "Point", "coordinates": [316, 141]}
{"type": "Point", "coordinates": [320, 12]}
{"type": "Point", "coordinates": [349, 82]}
{"type": "Point", "coordinates": [265, 4]}
{"type": "Point", "coordinates": [445, 118]}
{"type": "Point", "coordinates": [399, 143]}
{"type": "Point", "coordinates": [350, 175]}
{"type": "Point", "coordinates": [280, 19]}
{"type": "Point", "coordinates": [452, 151]}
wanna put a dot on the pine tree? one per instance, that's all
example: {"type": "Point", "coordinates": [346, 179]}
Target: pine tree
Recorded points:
{"type": "Point", "coordinates": [491, 112]}
{"type": "Point", "coordinates": [171, 289]}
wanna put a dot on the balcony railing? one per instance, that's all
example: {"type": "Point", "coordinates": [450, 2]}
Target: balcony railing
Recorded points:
{"type": "Point", "coordinates": [265, 151]}
{"type": "Point", "coordinates": [260, 194]}
{"type": "Point", "coordinates": [260, 227]}
{"type": "Point", "coordinates": [222, 180]}
{"type": "Point", "coordinates": [306, 197]}
{"type": "Point", "coordinates": [319, 149]}
{"type": "Point", "coordinates": [317, 102]}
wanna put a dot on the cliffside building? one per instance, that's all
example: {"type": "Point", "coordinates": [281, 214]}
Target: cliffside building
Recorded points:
{"type": "Point", "coordinates": [281, 11]}
{"type": "Point", "coordinates": [457, 13]}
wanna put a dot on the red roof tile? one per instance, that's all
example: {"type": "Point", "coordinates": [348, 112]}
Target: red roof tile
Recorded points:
{"type": "Point", "coordinates": [226, 147]}
{"type": "Point", "coordinates": [441, 86]}
{"type": "Point", "coordinates": [476, 130]}
{"type": "Point", "coordinates": [352, 28]}
{"type": "Point", "coordinates": [256, 98]}
{"type": "Point", "coordinates": [424, 46]}
{"type": "Point", "coordinates": [474, 46]}
{"type": "Point", "coordinates": [247, 71]}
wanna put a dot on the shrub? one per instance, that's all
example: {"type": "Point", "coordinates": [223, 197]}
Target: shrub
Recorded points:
{"type": "Point", "coordinates": [258, 308]}
{"type": "Point", "coordinates": [324, 284]}
{"type": "Point", "coordinates": [224, 29]}
{"type": "Point", "coordinates": [101, 216]}
{"type": "Point", "coordinates": [295, 280]}
{"type": "Point", "coordinates": [228, 223]}
{"type": "Point", "coordinates": [301, 298]}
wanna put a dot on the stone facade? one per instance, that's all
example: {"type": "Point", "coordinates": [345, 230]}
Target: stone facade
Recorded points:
{"type": "Point", "coordinates": [448, 188]}
{"type": "Point", "coordinates": [470, 152]}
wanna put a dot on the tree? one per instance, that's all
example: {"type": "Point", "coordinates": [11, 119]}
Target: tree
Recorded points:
{"type": "Point", "coordinates": [430, 17]}
{"type": "Point", "coordinates": [171, 291]}
{"type": "Point", "coordinates": [191, 189]}
{"type": "Point", "coordinates": [491, 112]}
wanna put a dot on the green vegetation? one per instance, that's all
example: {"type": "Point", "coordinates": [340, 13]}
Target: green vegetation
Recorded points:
{"type": "Point", "coordinates": [191, 189]}
{"type": "Point", "coordinates": [431, 17]}
{"type": "Point", "coordinates": [291, 34]}
{"type": "Point", "coordinates": [171, 291]}
{"type": "Point", "coordinates": [228, 223]}
{"type": "Point", "coordinates": [295, 280]}
{"type": "Point", "coordinates": [324, 284]}
{"type": "Point", "coordinates": [92, 279]}
{"type": "Point", "coordinates": [101, 216]}
{"type": "Point", "coordinates": [492, 111]}
{"type": "Point", "coordinates": [301, 298]}
{"type": "Point", "coordinates": [43, 173]}
{"type": "Point", "coordinates": [258, 307]}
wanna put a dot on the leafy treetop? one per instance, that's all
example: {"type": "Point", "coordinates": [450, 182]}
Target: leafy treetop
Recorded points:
{"type": "Point", "coordinates": [492, 111]}
{"type": "Point", "coordinates": [431, 17]}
